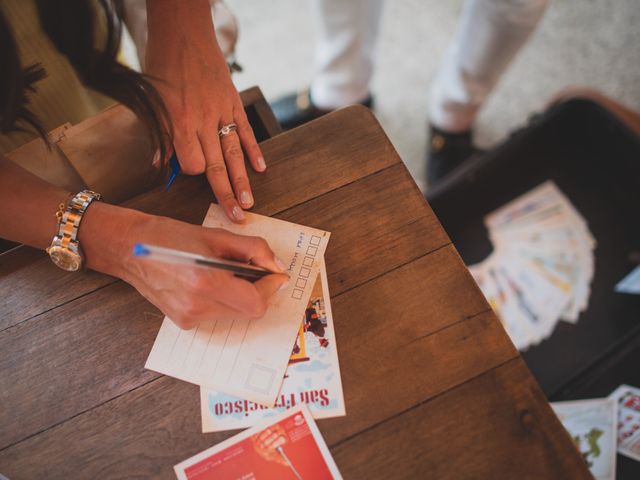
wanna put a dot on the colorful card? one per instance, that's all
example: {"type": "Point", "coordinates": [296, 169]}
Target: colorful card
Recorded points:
{"type": "Point", "coordinates": [312, 377]}
{"type": "Point", "coordinates": [628, 399]}
{"type": "Point", "coordinates": [287, 446]}
{"type": "Point", "coordinates": [541, 266]}
{"type": "Point", "coordinates": [592, 426]}
{"type": "Point", "coordinates": [241, 357]}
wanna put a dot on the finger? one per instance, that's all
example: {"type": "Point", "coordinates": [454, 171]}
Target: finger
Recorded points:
{"type": "Point", "coordinates": [210, 294]}
{"type": "Point", "coordinates": [251, 300]}
{"type": "Point", "coordinates": [190, 155]}
{"type": "Point", "coordinates": [234, 159]}
{"type": "Point", "coordinates": [269, 285]}
{"type": "Point", "coordinates": [205, 290]}
{"type": "Point", "coordinates": [207, 286]}
{"type": "Point", "coordinates": [218, 177]}
{"type": "Point", "coordinates": [248, 140]}
{"type": "Point", "coordinates": [247, 249]}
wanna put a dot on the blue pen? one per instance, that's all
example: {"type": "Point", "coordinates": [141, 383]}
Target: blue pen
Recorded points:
{"type": "Point", "coordinates": [143, 251]}
{"type": "Point", "coordinates": [175, 170]}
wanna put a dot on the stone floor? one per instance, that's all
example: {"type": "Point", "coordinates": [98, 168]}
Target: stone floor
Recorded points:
{"type": "Point", "coordinates": [587, 42]}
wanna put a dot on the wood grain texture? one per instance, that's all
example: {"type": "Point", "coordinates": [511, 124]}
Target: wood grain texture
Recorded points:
{"type": "Point", "coordinates": [57, 340]}
{"type": "Point", "coordinates": [31, 284]}
{"type": "Point", "coordinates": [370, 234]}
{"type": "Point", "coordinates": [74, 358]}
{"type": "Point", "coordinates": [264, 122]}
{"type": "Point", "coordinates": [381, 350]}
{"type": "Point", "coordinates": [433, 386]}
{"type": "Point", "coordinates": [498, 425]}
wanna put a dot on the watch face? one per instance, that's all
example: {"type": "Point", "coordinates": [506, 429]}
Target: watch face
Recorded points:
{"type": "Point", "coordinates": [65, 258]}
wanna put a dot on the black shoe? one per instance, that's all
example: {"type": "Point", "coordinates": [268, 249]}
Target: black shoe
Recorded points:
{"type": "Point", "coordinates": [296, 108]}
{"type": "Point", "coordinates": [446, 151]}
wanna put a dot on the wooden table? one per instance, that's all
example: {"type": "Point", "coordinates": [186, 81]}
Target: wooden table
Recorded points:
{"type": "Point", "coordinates": [433, 386]}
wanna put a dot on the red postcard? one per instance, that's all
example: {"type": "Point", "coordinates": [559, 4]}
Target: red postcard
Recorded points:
{"type": "Point", "coordinates": [287, 446]}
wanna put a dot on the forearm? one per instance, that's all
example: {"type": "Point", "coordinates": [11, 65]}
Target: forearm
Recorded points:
{"type": "Point", "coordinates": [179, 20]}
{"type": "Point", "coordinates": [29, 205]}
{"type": "Point", "coordinates": [28, 217]}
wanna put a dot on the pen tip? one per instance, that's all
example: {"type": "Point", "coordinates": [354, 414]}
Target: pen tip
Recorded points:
{"type": "Point", "coordinates": [140, 250]}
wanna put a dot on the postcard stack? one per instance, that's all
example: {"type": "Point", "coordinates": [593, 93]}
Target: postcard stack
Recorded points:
{"type": "Point", "coordinates": [541, 266]}
{"type": "Point", "coordinates": [280, 368]}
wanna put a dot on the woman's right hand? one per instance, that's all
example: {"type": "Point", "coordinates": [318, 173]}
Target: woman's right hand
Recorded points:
{"type": "Point", "coordinates": [187, 295]}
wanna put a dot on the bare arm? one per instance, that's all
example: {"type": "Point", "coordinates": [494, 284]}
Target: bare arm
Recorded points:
{"type": "Point", "coordinates": [193, 78]}
{"type": "Point", "coordinates": [107, 235]}
{"type": "Point", "coordinates": [25, 196]}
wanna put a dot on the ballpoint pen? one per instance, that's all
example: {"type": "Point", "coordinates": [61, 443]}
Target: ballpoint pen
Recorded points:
{"type": "Point", "coordinates": [168, 255]}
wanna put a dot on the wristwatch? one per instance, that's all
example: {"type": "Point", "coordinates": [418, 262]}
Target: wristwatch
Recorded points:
{"type": "Point", "coordinates": [65, 251]}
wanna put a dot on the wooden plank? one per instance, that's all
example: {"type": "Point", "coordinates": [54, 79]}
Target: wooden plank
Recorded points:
{"type": "Point", "coordinates": [498, 425]}
{"type": "Point", "coordinates": [188, 200]}
{"type": "Point", "coordinates": [73, 358]}
{"type": "Point", "coordinates": [251, 96]}
{"type": "Point", "coordinates": [384, 378]}
{"type": "Point", "coordinates": [376, 224]}
{"type": "Point", "coordinates": [264, 122]}
{"type": "Point", "coordinates": [31, 284]}
{"type": "Point", "coordinates": [56, 338]}
{"type": "Point", "coordinates": [413, 347]}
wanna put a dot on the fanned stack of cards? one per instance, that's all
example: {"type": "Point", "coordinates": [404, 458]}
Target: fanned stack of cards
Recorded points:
{"type": "Point", "coordinates": [541, 267]}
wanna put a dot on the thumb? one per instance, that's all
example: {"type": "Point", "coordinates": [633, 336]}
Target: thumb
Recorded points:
{"type": "Point", "coordinates": [269, 285]}
{"type": "Point", "coordinates": [249, 249]}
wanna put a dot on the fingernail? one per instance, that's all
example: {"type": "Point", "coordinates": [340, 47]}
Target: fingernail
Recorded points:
{"type": "Point", "coordinates": [237, 213]}
{"type": "Point", "coordinates": [245, 199]}
{"type": "Point", "coordinates": [280, 264]}
{"type": "Point", "coordinates": [156, 159]}
{"type": "Point", "coordinates": [261, 164]}
{"type": "Point", "coordinates": [284, 285]}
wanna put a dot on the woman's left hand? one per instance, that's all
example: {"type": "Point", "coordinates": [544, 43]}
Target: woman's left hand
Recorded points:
{"type": "Point", "coordinates": [190, 72]}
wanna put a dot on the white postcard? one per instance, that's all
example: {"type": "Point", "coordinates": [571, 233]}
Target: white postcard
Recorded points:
{"type": "Point", "coordinates": [592, 426]}
{"type": "Point", "coordinates": [247, 358]}
{"type": "Point", "coordinates": [288, 445]}
{"type": "Point", "coordinates": [313, 375]}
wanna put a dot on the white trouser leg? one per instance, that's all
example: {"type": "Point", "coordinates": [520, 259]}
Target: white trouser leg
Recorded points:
{"type": "Point", "coordinates": [489, 35]}
{"type": "Point", "coordinates": [346, 35]}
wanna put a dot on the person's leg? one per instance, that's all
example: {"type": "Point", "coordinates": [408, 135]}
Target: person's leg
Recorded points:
{"type": "Point", "coordinates": [346, 35]}
{"type": "Point", "coordinates": [489, 35]}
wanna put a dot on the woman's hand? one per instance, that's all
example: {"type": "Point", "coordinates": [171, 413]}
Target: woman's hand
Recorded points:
{"type": "Point", "coordinates": [108, 233]}
{"type": "Point", "coordinates": [187, 295]}
{"type": "Point", "coordinates": [192, 76]}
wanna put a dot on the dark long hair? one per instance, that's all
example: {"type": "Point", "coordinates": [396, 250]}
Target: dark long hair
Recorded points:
{"type": "Point", "coordinates": [72, 25]}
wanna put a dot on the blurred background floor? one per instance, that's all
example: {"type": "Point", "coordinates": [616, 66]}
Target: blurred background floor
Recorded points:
{"type": "Point", "coordinates": [587, 42]}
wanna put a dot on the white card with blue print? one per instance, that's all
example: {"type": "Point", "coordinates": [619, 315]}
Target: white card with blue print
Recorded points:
{"type": "Point", "coordinates": [312, 377]}
{"type": "Point", "coordinates": [239, 356]}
